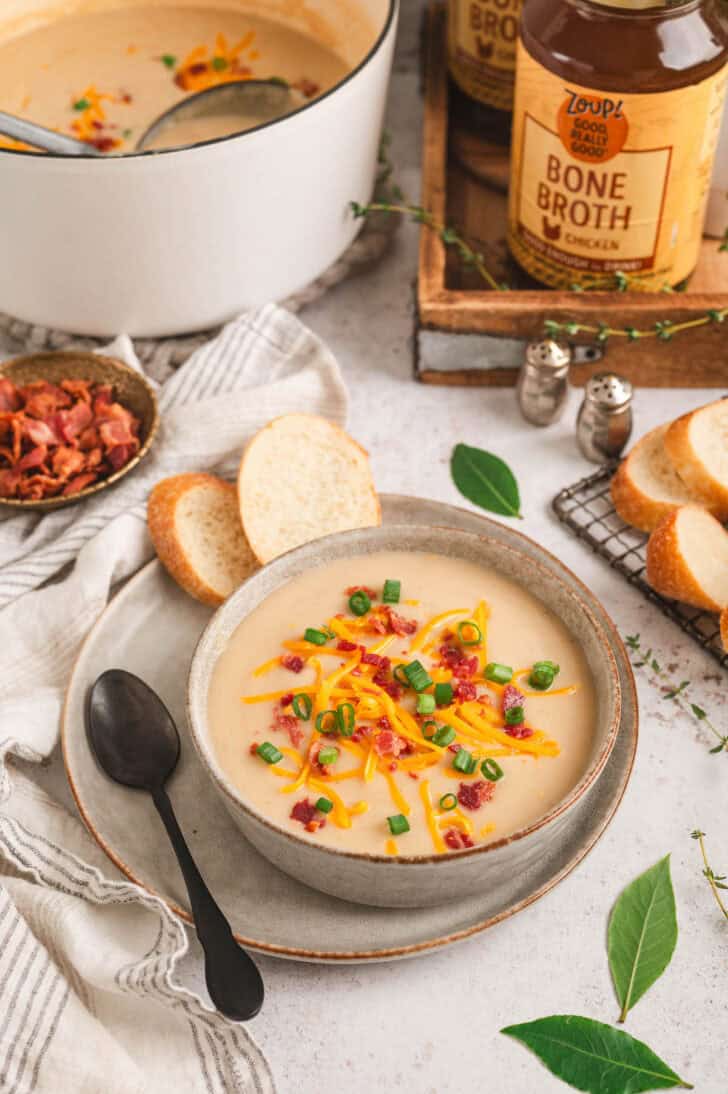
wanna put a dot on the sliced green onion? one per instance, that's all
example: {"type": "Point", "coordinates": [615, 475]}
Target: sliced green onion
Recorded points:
{"type": "Point", "coordinates": [468, 626]}
{"type": "Point", "coordinates": [426, 726]}
{"type": "Point", "coordinates": [328, 632]}
{"type": "Point", "coordinates": [324, 805]}
{"type": "Point", "coordinates": [359, 603]}
{"type": "Point", "coordinates": [345, 719]}
{"type": "Point", "coordinates": [318, 638]}
{"type": "Point", "coordinates": [269, 753]}
{"type": "Point", "coordinates": [448, 802]}
{"type": "Point", "coordinates": [398, 824]}
{"type": "Point", "coordinates": [401, 676]}
{"type": "Point", "coordinates": [168, 59]}
{"type": "Point", "coordinates": [425, 704]}
{"type": "Point", "coordinates": [542, 675]}
{"type": "Point", "coordinates": [417, 675]}
{"type": "Point", "coordinates": [444, 736]}
{"type": "Point", "coordinates": [499, 674]}
{"type": "Point", "coordinates": [443, 695]}
{"type": "Point", "coordinates": [328, 756]}
{"type": "Point", "coordinates": [464, 761]}
{"type": "Point", "coordinates": [491, 770]}
{"type": "Point", "coordinates": [219, 63]}
{"type": "Point", "coordinates": [327, 722]}
{"type": "Point", "coordinates": [302, 707]}
{"type": "Point", "coordinates": [81, 104]}
{"type": "Point", "coordinates": [514, 716]}
{"type": "Point", "coordinates": [391, 592]}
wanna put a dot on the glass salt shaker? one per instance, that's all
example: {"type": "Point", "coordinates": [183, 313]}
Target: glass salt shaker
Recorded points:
{"type": "Point", "coordinates": [604, 422]}
{"type": "Point", "coordinates": [543, 381]}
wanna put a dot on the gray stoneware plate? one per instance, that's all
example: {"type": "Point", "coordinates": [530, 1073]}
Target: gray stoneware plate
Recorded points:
{"type": "Point", "coordinates": [151, 628]}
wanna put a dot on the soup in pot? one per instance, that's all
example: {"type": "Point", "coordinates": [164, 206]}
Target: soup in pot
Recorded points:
{"type": "Point", "coordinates": [402, 703]}
{"type": "Point", "coordinates": [103, 76]}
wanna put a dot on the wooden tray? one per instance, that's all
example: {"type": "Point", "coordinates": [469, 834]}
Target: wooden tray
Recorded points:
{"type": "Point", "coordinates": [452, 298]}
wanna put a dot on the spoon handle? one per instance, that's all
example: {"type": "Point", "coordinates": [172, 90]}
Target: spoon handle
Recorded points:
{"type": "Point", "coordinates": [233, 980]}
{"type": "Point", "coordinates": [40, 137]}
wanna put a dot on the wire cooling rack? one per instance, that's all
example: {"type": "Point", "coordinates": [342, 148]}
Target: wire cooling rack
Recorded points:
{"type": "Point", "coordinates": [586, 509]}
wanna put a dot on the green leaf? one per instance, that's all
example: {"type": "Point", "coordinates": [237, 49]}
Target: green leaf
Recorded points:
{"type": "Point", "coordinates": [642, 934]}
{"type": "Point", "coordinates": [485, 480]}
{"type": "Point", "coordinates": [594, 1057]}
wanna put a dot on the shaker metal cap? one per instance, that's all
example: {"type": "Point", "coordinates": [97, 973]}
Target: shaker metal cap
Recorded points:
{"type": "Point", "coordinates": [608, 390]}
{"type": "Point", "coordinates": [548, 354]}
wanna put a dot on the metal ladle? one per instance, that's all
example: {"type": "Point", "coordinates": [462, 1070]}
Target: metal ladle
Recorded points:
{"type": "Point", "coordinates": [255, 101]}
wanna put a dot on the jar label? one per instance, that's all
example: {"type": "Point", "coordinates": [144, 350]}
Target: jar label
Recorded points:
{"type": "Point", "coordinates": [606, 182]}
{"type": "Point", "coordinates": [482, 37]}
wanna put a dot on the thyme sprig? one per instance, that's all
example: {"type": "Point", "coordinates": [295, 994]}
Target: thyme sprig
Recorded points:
{"type": "Point", "coordinates": [716, 881]}
{"type": "Point", "coordinates": [675, 692]}
{"type": "Point", "coordinates": [392, 201]}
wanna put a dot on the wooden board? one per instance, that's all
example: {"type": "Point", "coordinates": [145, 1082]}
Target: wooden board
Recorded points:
{"type": "Point", "coordinates": [452, 298]}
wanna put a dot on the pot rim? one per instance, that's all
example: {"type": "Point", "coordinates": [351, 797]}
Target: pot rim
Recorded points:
{"type": "Point", "coordinates": [200, 733]}
{"type": "Point", "coordinates": [151, 152]}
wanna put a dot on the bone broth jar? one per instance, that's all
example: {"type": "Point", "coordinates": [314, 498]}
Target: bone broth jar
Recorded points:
{"type": "Point", "coordinates": [482, 37]}
{"type": "Point", "coordinates": [617, 112]}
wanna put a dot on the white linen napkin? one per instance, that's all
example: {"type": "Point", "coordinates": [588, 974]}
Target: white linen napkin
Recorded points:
{"type": "Point", "coordinates": [91, 1000]}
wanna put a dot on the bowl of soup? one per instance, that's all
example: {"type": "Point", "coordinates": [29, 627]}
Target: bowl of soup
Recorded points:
{"type": "Point", "coordinates": [395, 713]}
{"type": "Point", "coordinates": [181, 239]}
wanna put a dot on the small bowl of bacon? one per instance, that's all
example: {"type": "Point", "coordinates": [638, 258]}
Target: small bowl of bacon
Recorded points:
{"type": "Point", "coordinates": [71, 424]}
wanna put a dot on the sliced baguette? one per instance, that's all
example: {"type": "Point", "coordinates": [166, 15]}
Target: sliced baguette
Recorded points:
{"type": "Point", "coordinates": [301, 477]}
{"type": "Point", "coordinates": [687, 558]}
{"type": "Point", "coordinates": [194, 522]}
{"type": "Point", "coordinates": [697, 446]}
{"type": "Point", "coordinates": [646, 486]}
{"type": "Point", "coordinates": [724, 628]}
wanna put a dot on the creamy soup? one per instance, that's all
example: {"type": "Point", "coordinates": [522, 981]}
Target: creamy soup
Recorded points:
{"type": "Point", "coordinates": [104, 76]}
{"type": "Point", "coordinates": [400, 704]}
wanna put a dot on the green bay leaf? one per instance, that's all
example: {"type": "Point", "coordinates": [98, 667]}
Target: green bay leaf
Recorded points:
{"type": "Point", "coordinates": [642, 934]}
{"type": "Point", "coordinates": [485, 480]}
{"type": "Point", "coordinates": [594, 1057]}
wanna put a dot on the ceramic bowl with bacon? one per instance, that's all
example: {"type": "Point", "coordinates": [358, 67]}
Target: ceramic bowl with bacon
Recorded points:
{"type": "Point", "coordinates": [71, 425]}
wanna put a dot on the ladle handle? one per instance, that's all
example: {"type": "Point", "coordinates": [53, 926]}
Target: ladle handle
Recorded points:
{"type": "Point", "coordinates": [233, 981]}
{"type": "Point", "coordinates": [40, 137]}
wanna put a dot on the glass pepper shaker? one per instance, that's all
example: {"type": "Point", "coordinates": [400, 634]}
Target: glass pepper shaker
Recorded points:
{"type": "Point", "coordinates": [543, 381]}
{"type": "Point", "coordinates": [604, 422]}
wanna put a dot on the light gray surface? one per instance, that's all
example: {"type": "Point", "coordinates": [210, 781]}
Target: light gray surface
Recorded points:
{"type": "Point", "coordinates": [264, 907]}
{"type": "Point", "coordinates": [431, 1026]}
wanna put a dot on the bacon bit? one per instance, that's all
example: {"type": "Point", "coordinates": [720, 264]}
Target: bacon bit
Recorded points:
{"type": "Point", "coordinates": [413, 774]}
{"type": "Point", "coordinates": [511, 697]}
{"type": "Point", "coordinates": [473, 795]}
{"type": "Point", "coordinates": [450, 655]}
{"type": "Point", "coordinates": [254, 748]}
{"type": "Point", "coordinates": [465, 692]}
{"type": "Point", "coordinates": [384, 722]}
{"type": "Point", "coordinates": [393, 766]}
{"type": "Point", "coordinates": [465, 668]}
{"type": "Point", "coordinates": [375, 659]}
{"type": "Point", "coordinates": [304, 811]}
{"type": "Point", "coordinates": [388, 743]}
{"type": "Point", "coordinates": [289, 725]}
{"type": "Point", "coordinates": [345, 646]}
{"type": "Point", "coordinates": [292, 662]}
{"type": "Point", "coordinates": [457, 840]}
{"type": "Point", "coordinates": [399, 625]}
{"type": "Point", "coordinates": [393, 690]}
{"type": "Point", "coordinates": [44, 424]}
{"type": "Point", "coordinates": [371, 593]}
{"type": "Point", "coordinates": [520, 732]}
{"type": "Point", "coordinates": [286, 700]}
{"type": "Point", "coordinates": [454, 747]}
{"type": "Point", "coordinates": [307, 87]}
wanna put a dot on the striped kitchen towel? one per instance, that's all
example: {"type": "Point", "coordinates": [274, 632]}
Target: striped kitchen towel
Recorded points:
{"type": "Point", "coordinates": [93, 970]}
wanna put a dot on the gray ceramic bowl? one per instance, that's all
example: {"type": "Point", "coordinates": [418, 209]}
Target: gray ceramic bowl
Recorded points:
{"type": "Point", "coordinates": [417, 880]}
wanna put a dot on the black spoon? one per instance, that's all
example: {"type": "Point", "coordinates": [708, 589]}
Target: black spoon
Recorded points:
{"type": "Point", "coordinates": [136, 743]}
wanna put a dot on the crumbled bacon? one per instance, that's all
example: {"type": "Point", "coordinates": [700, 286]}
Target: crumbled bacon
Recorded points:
{"type": "Point", "coordinates": [371, 593]}
{"type": "Point", "coordinates": [292, 662]}
{"type": "Point", "coordinates": [473, 795]}
{"type": "Point", "coordinates": [286, 699]}
{"type": "Point", "coordinates": [345, 646]}
{"type": "Point", "coordinates": [511, 697]}
{"type": "Point", "coordinates": [290, 725]}
{"type": "Point", "coordinates": [304, 811]}
{"type": "Point", "coordinates": [384, 722]}
{"type": "Point", "coordinates": [375, 659]}
{"type": "Point", "coordinates": [61, 437]}
{"type": "Point", "coordinates": [308, 88]}
{"type": "Point", "coordinates": [465, 691]}
{"type": "Point", "coordinates": [465, 668]}
{"type": "Point", "coordinates": [388, 743]}
{"type": "Point", "coordinates": [456, 840]}
{"type": "Point", "coordinates": [520, 732]}
{"type": "Point", "coordinates": [399, 625]}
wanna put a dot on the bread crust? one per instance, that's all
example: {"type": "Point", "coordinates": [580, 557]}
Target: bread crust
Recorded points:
{"type": "Point", "coordinates": [694, 473]}
{"type": "Point", "coordinates": [668, 571]}
{"type": "Point", "coordinates": [372, 497]}
{"type": "Point", "coordinates": [161, 521]}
